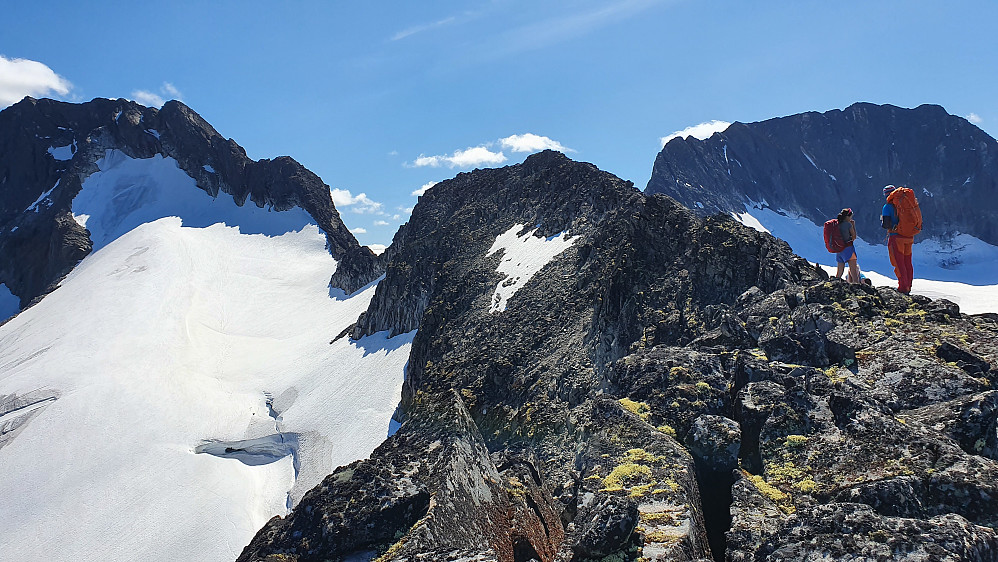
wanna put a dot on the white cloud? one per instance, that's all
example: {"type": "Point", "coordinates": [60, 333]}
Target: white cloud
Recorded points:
{"type": "Point", "coordinates": [380, 223]}
{"type": "Point", "coordinates": [172, 91]}
{"type": "Point", "coordinates": [22, 77]}
{"type": "Point", "coordinates": [358, 230]}
{"type": "Point", "coordinates": [377, 248]}
{"type": "Point", "coordinates": [702, 131]}
{"type": "Point", "coordinates": [154, 99]}
{"type": "Point", "coordinates": [361, 203]}
{"type": "Point", "coordinates": [407, 210]}
{"type": "Point", "coordinates": [467, 158]}
{"type": "Point", "coordinates": [424, 187]}
{"type": "Point", "coordinates": [423, 27]}
{"type": "Point", "coordinates": [148, 98]}
{"type": "Point", "coordinates": [974, 118]}
{"type": "Point", "coordinates": [530, 142]}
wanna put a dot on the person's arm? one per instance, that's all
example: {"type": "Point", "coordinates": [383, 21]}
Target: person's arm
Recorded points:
{"type": "Point", "coordinates": [852, 229]}
{"type": "Point", "coordinates": [888, 217]}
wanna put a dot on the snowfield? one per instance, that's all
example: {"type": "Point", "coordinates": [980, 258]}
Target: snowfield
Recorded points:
{"type": "Point", "coordinates": [963, 269]}
{"type": "Point", "coordinates": [127, 192]}
{"type": "Point", "coordinates": [180, 388]}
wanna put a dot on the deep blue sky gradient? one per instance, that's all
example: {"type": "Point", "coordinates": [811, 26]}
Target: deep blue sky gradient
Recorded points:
{"type": "Point", "coordinates": [356, 91]}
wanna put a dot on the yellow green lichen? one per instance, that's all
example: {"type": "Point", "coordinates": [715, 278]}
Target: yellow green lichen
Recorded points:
{"type": "Point", "coordinates": [781, 499]}
{"type": "Point", "coordinates": [614, 482]}
{"type": "Point", "coordinates": [807, 485]}
{"type": "Point", "coordinates": [658, 518]}
{"type": "Point", "coordinates": [640, 408]}
{"type": "Point", "coordinates": [640, 455]}
{"type": "Point", "coordinates": [516, 488]}
{"type": "Point", "coordinates": [679, 373]}
{"type": "Point", "coordinates": [668, 430]}
{"type": "Point", "coordinates": [640, 490]}
{"type": "Point", "coordinates": [796, 440]}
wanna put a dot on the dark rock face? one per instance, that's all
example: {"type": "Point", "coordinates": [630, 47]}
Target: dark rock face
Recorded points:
{"type": "Point", "coordinates": [814, 164]}
{"type": "Point", "coordinates": [553, 430]}
{"type": "Point", "coordinates": [573, 468]}
{"type": "Point", "coordinates": [40, 244]}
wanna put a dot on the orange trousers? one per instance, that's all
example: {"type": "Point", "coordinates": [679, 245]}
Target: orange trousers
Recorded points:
{"type": "Point", "coordinates": [899, 248]}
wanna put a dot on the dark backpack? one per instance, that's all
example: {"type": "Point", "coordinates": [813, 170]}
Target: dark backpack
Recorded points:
{"type": "Point", "coordinates": [833, 237]}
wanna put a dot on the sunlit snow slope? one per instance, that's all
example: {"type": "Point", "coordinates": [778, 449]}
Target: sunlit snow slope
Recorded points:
{"type": "Point", "coordinates": [962, 269]}
{"type": "Point", "coordinates": [180, 388]}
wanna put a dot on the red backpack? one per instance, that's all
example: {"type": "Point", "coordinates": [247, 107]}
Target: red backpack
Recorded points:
{"type": "Point", "coordinates": [833, 237]}
{"type": "Point", "coordinates": [909, 215]}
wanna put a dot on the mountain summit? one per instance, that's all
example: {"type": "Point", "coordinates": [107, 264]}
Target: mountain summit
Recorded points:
{"type": "Point", "coordinates": [73, 176]}
{"type": "Point", "coordinates": [814, 164]}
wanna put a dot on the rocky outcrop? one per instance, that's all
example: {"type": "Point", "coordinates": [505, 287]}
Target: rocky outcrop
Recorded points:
{"type": "Point", "coordinates": [665, 388]}
{"type": "Point", "coordinates": [47, 148]}
{"type": "Point", "coordinates": [814, 164]}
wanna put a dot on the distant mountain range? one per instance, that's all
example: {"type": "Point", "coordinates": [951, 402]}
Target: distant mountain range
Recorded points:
{"type": "Point", "coordinates": [814, 164]}
{"type": "Point", "coordinates": [579, 371]}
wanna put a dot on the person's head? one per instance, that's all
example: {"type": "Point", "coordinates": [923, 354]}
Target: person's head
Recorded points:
{"type": "Point", "coordinates": [888, 189]}
{"type": "Point", "coordinates": [845, 214]}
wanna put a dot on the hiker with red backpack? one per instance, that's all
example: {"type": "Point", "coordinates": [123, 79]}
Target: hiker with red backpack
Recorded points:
{"type": "Point", "coordinates": [903, 220]}
{"type": "Point", "coordinates": [840, 233]}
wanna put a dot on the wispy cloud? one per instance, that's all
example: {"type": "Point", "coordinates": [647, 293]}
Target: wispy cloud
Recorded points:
{"type": "Point", "coordinates": [423, 27]}
{"type": "Point", "coordinates": [358, 230]}
{"type": "Point", "coordinates": [702, 131]}
{"type": "Point", "coordinates": [559, 29]}
{"type": "Point", "coordinates": [530, 142]}
{"type": "Point", "coordinates": [467, 158]}
{"type": "Point", "coordinates": [974, 118]}
{"type": "Point", "coordinates": [381, 223]}
{"type": "Point", "coordinates": [359, 203]}
{"type": "Point", "coordinates": [153, 99]}
{"type": "Point", "coordinates": [23, 77]}
{"type": "Point", "coordinates": [423, 188]}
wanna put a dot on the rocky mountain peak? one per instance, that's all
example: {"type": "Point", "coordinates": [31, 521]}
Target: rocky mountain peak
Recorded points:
{"type": "Point", "coordinates": [49, 148]}
{"type": "Point", "coordinates": [517, 419]}
{"type": "Point", "coordinates": [814, 164]}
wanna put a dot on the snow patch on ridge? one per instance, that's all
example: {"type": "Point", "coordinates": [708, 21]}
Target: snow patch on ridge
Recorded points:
{"type": "Point", "coordinates": [63, 153]}
{"type": "Point", "coordinates": [750, 221]}
{"type": "Point", "coordinates": [523, 256]}
{"type": "Point", "coordinates": [128, 192]}
{"type": "Point", "coordinates": [42, 198]}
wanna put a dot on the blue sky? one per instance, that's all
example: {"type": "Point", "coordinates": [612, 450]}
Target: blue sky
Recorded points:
{"type": "Point", "coordinates": [382, 98]}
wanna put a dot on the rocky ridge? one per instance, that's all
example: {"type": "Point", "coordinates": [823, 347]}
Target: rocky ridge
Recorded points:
{"type": "Point", "coordinates": [814, 164]}
{"type": "Point", "coordinates": [40, 247]}
{"type": "Point", "coordinates": [667, 388]}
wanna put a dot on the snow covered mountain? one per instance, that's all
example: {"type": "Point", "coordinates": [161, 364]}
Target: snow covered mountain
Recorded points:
{"type": "Point", "coordinates": [179, 387]}
{"type": "Point", "coordinates": [73, 177]}
{"type": "Point", "coordinates": [807, 167]}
